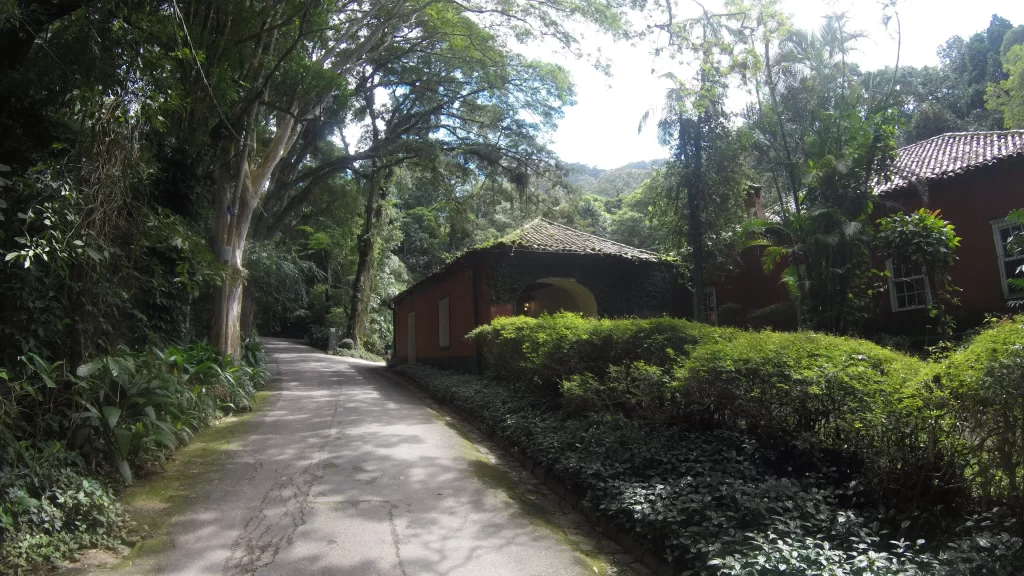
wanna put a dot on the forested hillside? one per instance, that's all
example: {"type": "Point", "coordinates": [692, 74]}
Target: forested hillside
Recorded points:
{"type": "Point", "coordinates": [180, 176]}
{"type": "Point", "coordinates": [611, 183]}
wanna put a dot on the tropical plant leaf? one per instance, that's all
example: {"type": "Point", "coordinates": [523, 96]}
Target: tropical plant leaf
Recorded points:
{"type": "Point", "coordinates": [111, 414]}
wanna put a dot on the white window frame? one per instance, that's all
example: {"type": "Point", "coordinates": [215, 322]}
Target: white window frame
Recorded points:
{"type": "Point", "coordinates": [892, 288]}
{"type": "Point", "coordinates": [444, 326]}
{"type": "Point", "coordinates": [1001, 259]}
{"type": "Point", "coordinates": [710, 312]}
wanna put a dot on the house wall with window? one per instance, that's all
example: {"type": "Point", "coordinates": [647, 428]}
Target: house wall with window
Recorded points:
{"type": "Point", "coordinates": [442, 316]}
{"type": "Point", "coordinates": [544, 268]}
{"type": "Point", "coordinates": [976, 203]}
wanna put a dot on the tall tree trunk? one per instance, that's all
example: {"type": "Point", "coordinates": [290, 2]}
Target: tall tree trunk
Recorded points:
{"type": "Point", "coordinates": [362, 285]}
{"type": "Point", "coordinates": [239, 186]}
{"type": "Point", "coordinates": [225, 334]}
{"type": "Point", "coordinates": [248, 311]}
{"type": "Point", "coordinates": [694, 210]}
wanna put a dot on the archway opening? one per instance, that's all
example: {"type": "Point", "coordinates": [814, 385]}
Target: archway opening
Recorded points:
{"type": "Point", "coordinates": [551, 295]}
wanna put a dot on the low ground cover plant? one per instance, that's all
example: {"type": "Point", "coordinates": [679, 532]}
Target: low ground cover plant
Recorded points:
{"type": "Point", "coordinates": [68, 438]}
{"type": "Point", "coordinates": [737, 452]}
{"type": "Point", "coordinates": [359, 353]}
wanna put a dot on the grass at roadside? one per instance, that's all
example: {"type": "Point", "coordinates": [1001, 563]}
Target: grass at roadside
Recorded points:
{"type": "Point", "coordinates": [155, 501]}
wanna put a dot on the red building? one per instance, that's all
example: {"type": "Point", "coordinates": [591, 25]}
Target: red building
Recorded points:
{"type": "Point", "coordinates": [974, 179]}
{"type": "Point", "coordinates": [542, 267]}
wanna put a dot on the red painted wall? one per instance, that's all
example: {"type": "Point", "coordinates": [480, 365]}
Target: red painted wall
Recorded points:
{"type": "Point", "coordinates": [970, 202]}
{"type": "Point", "coordinates": [748, 285]}
{"type": "Point", "coordinates": [456, 284]}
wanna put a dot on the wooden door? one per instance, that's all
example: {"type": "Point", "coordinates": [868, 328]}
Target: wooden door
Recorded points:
{"type": "Point", "coordinates": [410, 332]}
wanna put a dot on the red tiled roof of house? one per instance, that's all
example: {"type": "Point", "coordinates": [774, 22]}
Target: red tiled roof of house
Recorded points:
{"type": "Point", "coordinates": [950, 154]}
{"type": "Point", "coordinates": [547, 236]}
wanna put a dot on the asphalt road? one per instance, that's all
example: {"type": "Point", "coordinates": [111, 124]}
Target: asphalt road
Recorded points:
{"type": "Point", "coordinates": [349, 473]}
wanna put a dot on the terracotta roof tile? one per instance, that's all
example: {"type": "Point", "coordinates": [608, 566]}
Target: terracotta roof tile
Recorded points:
{"type": "Point", "coordinates": [951, 154]}
{"type": "Point", "coordinates": [548, 236]}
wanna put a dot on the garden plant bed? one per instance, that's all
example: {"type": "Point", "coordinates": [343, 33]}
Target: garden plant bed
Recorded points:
{"type": "Point", "coordinates": [688, 494]}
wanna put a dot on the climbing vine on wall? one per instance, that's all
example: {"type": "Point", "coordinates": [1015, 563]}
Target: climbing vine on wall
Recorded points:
{"type": "Point", "coordinates": [928, 242]}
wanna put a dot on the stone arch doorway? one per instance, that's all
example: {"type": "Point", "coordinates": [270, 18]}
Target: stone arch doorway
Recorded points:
{"type": "Point", "coordinates": [551, 295]}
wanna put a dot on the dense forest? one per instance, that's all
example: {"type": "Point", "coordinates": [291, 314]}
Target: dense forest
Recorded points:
{"type": "Point", "coordinates": [179, 176]}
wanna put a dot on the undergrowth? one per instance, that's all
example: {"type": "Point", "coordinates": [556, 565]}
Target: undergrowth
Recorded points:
{"type": "Point", "coordinates": [68, 438]}
{"type": "Point", "coordinates": [359, 353]}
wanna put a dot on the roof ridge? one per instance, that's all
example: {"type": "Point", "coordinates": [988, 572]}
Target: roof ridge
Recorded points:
{"type": "Point", "coordinates": [948, 154]}
{"type": "Point", "coordinates": [965, 133]}
{"type": "Point", "coordinates": [593, 236]}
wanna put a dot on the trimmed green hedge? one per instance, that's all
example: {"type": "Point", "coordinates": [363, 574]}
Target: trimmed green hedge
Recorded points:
{"type": "Point", "coordinates": [821, 394]}
{"type": "Point", "coordinates": [542, 353]}
{"type": "Point", "coordinates": [985, 385]}
{"type": "Point", "coordinates": [760, 453]}
{"type": "Point", "coordinates": [919, 433]}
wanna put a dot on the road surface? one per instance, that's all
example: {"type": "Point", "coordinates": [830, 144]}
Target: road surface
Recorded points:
{"type": "Point", "coordinates": [349, 473]}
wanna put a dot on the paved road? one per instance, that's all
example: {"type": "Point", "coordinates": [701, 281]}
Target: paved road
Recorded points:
{"type": "Point", "coordinates": [349, 473]}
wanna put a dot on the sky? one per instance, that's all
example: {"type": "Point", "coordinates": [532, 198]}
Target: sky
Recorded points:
{"type": "Point", "coordinates": [601, 129]}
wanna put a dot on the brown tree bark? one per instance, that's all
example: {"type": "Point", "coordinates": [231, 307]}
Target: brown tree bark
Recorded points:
{"type": "Point", "coordinates": [362, 284]}
{"type": "Point", "coordinates": [239, 185]}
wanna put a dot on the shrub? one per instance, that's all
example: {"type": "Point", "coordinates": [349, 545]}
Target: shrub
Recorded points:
{"type": "Point", "coordinates": [62, 433]}
{"type": "Point", "coordinates": [731, 314]}
{"type": "Point", "coordinates": [347, 344]}
{"type": "Point", "coordinates": [985, 383]}
{"type": "Point", "coordinates": [49, 507]}
{"type": "Point", "coordinates": [719, 502]}
{"type": "Point", "coordinates": [825, 395]}
{"type": "Point", "coordinates": [357, 353]}
{"type": "Point", "coordinates": [781, 316]}
{"type": "Point", "coordinates": [134, 406]}
{"type": "Point", "coordinates": [254, 355]}
{"type": "Point", "coordinates": [768, 453]}
{"type": "Point", "coordinates": [545, 351]}
{"type": "Point", "coordinates": [814, 391]}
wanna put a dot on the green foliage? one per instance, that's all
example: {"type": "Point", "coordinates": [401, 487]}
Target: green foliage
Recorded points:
{"type": "Point", "coordinates": [922, 238]}
{"type": "Point", "coordinates": [347, 344]}
{"type": "Point", "coordinates": [50, 507]}
{"type": "Point", "coordinates": [541, 353]}
{"type": "Point", "coordinates": [278, 282]}
{"type": "Point", "coordinates": [137, 406]}
{"type": "Point", "coordinates": [717, 501]}
{"type": "Point", "coordinates": [815, 392]}
{"type": "Point", "coordinates": [734, 452]}
{"type": "Point", "coordinates": [64, 435]}
{"type": "Point", "coordinates": [610, 183]}
{"type": "Point", "coordinates": [818, 393]}
{"type": "Point", "coordinates": [968, 68]}
{"type": "Point", "coordinates": [254, 355]}
{"type": "Point", "coordinates": [356, 353]}
{"type": "Point", "coordinates": [1016, 246]}
{"type": "Point", "coordinates": [985, 383]}
{"type": "Point", "coordinates": [1007, 97]}
{"type": "Point", "coordinates": [926, 241]}
{"type": "Point", "coordinates": [82, 277]}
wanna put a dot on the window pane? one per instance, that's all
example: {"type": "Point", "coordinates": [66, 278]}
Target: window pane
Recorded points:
{"type": "Point", "coordinates": [1006, 233]}
{"type": "Point", "coordinates": [710, 305]}
{"type": "Point", "coordinates": [443, 326]}
{"type": "Point", "coordinates": [910, 293]}
{"type": "Point", "coordinates": [900, 270]}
